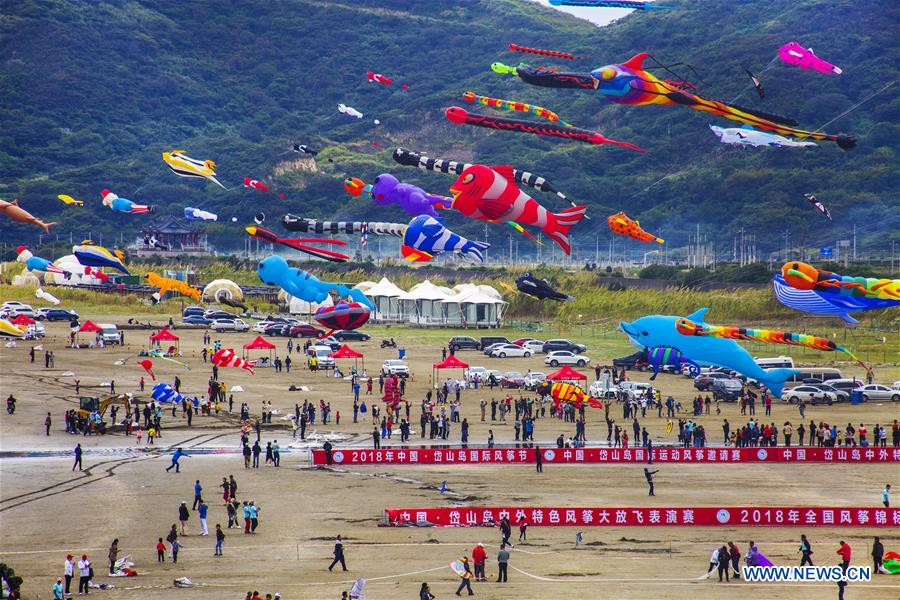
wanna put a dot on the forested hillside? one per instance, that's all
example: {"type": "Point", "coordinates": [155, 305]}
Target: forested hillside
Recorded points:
{"type": "Point", "coordinates": [94, 92]}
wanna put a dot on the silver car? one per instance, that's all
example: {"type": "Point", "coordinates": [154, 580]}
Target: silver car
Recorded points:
{"type": "Point", "coordinates": [876, 391]}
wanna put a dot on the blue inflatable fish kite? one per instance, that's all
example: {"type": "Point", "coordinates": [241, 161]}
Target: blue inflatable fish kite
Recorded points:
{"type": "Point", "coordinates": [274, 270]}
{"type": "Point", "coordinates": [425, 237]}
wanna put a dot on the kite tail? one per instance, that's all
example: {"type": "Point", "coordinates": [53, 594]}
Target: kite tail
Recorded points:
{"type": "Point", "coordinates": [560, 223]}
{"type": "Point", "coordinates": [249, 366]}
{"type": "Point", "coordinates": [46, 226]}
{"type": "Point", "coordinates": [475, 249]}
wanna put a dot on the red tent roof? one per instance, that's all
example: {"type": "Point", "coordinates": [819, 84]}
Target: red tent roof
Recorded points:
{"type": "Point", "coordinates": [164, 335]}
{"type": "Point", "coordinates": [89, 327]}
{"type": "Point", "coordinates": [23, 320]}
{"type": "Point", "coordinates": [451, 362]}
{"type": "Point", "coordinates": [345, 351]}
{"type": "Point", "coordinates": [567, 373]}
{"type": "Point", "coordinates": [259, 344]}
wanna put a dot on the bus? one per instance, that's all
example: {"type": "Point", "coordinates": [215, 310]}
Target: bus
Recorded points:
{"type": "Point", "coordinates": [777, 362]}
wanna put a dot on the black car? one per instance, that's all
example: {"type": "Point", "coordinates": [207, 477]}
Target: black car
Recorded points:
{"type": "Point", "coordinates": [191, 311]}
{"type": "Point", "coordinates": [727, 390]}
{"type": "Point", "coordinates": [216, 315]}
{"type": "Point", "coordinates": [196, 320]}
{"type": "Point", "coordinates": [704, 381]}
{"type": "Point", "coordinates": [463, 342]}
{"type": "Point", "coordinates": [489, 340]}
{"type": "Point", "coordinates": [279, 329]}
{"type": "Point", "coordinates": [638, 360]}
{"type": "Point", "coordinates": [556, 345]}
{"type": "Point", "coordinates": [56, 314]}
{"type": "Point", "coordinates": [346, 335]}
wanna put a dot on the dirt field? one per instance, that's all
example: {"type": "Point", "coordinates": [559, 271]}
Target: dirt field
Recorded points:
{"type": "Point", "coordinates": [47, 511]}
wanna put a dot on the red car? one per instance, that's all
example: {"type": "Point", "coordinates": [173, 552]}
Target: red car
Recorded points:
{"type": "Point", "coordinates": [305, 330]}
{"type": "Point", "coordinates": [521, 341]}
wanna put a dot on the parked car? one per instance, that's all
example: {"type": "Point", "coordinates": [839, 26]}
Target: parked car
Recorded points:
{"type": "Point", "coordinates": [395, 366]}
{"type": "Point", "coordinates": [845, 385]}
{"type": "Point", "coordinates": [809, 394]}
{"type": "Point", "coordinates": [488, 349]}
{"type": "Point", "coordinates": [839, 395]}
{"type": "Point", "coordinates": [534, 345]}
{"type": "Point", "coordinates": [876, 391]}
{"type": "Point", "coordinates": [488, 340]}
{"type": "Point", "coordinates": [55, 314]}
{"type": "Point", "coordinates": [321, 353]}
{"type": "Point", "coordinates": [704, 381]}
{"type": "Point", "coordinates": [512, 379]}
{"type": "Point", "coordinates": [534, 380]}
{"type": "Point", "coordinates": [35, 331]}
{"type": "Point", "coordinates": [109, 333]}
{"type": "Point", "coordinates": [636, 361]}
{"type": "Point", "coordinates": [13, 309]}
{"type": "Point", "coordinates": [303, 330]}
{"type": "Point", "coordinates": [566, 345]}
{"type": "Point", "coordinates": [504, 350]}
{"type": "Point", "coordinates": [196, 320]}
{"type": "Point", "coordinates": [278, 328]}
{"type": "Point", "coordinates": [521, 341]}
{"type": "Point", "coordinates": [330, 342]}
{"type": "Point", "coordinates": [473, 372]}
{"type": "Point", "coordinates": [218, 315]}
{"type": "Point", "coordinates": [348, 335]}
{"type": "Point", "coordinates": [564, 357]}
{"type": "Point", "coordinates": [633, 389]}
{"type": "Point", "coordinates": [727, 389]}
{"type": "Point", "coordinates": [193, 310]}
{"type": "Point", "coordinates": [220, 325]}
{"type": "Point", "coordinates": [597, 391]}
{"type": "Point", "coordinates": [463, 342]}
{"type": "Point", "coordinates": [261, 326]}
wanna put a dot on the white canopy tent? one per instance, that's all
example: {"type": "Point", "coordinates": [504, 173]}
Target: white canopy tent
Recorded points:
{"type": "Point", "coordinates": [385, 296]}
{"type": "Point", "coordinates": [474, 306]}
{"type": "Point", "coordinates": [421, 305]}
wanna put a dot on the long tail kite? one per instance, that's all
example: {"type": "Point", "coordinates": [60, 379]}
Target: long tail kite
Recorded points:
{"type": "Point", "coordinates": [513, 105]}
{"type": "Point", "coordinates": [301, 244]}
{"type": "Point", "coordinates": [553, 53]}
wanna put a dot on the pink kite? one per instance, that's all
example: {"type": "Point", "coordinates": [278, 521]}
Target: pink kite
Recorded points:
{"type": "Point", "coordinates": [793, 53]}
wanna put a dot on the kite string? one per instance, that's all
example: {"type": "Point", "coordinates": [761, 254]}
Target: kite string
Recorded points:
{"type": "Point", "coordinates": [851, 109]}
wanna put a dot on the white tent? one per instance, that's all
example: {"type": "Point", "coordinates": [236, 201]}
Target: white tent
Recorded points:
{"type": "Point", "coordinates": [422, 303]}
{"type": "Point", "coordinates": [474, 306]}
{"type": "Point", "coordinates": [296, 306]}
{"type": "Point", "coordinates": [384, 295]}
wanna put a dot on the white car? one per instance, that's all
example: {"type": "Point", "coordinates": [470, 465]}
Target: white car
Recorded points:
{"type": "Point", "coordinates": [227, 325]}
{"type": "Point", "coordinates": [564, 357]}
{"type": "Point", "coordinates": [322, 356]}
{"type": "Point", "coordinates": [395, 366]}
{"type": "Point", "coordinates": [504, 350]}
{"type": "Point", "coordinates": [534, 380]}
{"type": "Point", "coordinates": [597, 391]}
{"type": "Point", "coordinates": [633, 389]}
{"type": "Point", "coordinates": [534, 345]}
{"type": "Point", "coordinates": [473, 372]}
{"type": "Point", "coordinates": [13, 309]}
{"type": "Point", "coordinates": [35, 331]}
{"type": "Point", "coordinates": [876, 391]}
{"type": "Point", "coordinates": [810, 394]}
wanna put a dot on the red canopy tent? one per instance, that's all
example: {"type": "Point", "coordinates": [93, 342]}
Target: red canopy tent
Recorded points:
{"type": "Point", "coordinates": [346, 351]}
{"type": "Point", "coordinates": [567, 373]}
{"type": "Point", "coordinates": [258, 344]}
{"type": "Point", "coordinates": [451, 362]}
{"type": "Point", "coordinates": [23, 320]}
{"type": "Point", "coordinates": [164, 335]}
{"type": "Point", "coordinates": [88, 327]}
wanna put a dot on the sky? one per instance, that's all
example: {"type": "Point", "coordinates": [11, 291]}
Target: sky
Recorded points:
{"type": "Point", "coordinates": [597, 16]}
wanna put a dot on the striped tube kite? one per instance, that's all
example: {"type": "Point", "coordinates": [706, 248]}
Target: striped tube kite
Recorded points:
{"type": "Point", "coordinates": [185, 166]}
{"type": "Point", "coordinates": [167, 284]}
{"type": "Point", "coordinates": [227, 358]}
{"type": "Point", "coordinates": [572, 394]}
{"type": "Point", "coordinates": [472, 98]}
{"type": "Point", "coordinates": [553, 53]}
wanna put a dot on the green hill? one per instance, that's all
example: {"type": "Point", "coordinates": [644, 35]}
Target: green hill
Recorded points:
{"type": "Point", "coordinates": [93, 93]}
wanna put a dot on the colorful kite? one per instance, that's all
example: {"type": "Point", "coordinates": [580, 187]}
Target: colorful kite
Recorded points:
{"type": "Point", "coordinates": [253, 183]}
{"type": "Point", "coordinates": [757, 85]}
{"type": "Point", "coordinates": [167, 284]}
{"type": "Point", "coordinates": [301, 244]}
{"type": "Point", "coordinates": [806, 277]}
{"type": "Point", "coordinates": [623, 225]}
{"type": "Point", "coordinates": [70, 200]}
{"type": "Point", "coordinates": [343, 315]}
{"type": "Point", "coordinates": [388, 190]}
{"type": "Point", "coordinates": [461, 116]}
{"type": "Point", "coordinates": [540, 289]}
{"type": "Point", "coordinates": [891, 563]}
{"type": "Point", "coordinates": [195, 214]}
{"type": "Point", "coordinates": [148, 366]}
{"type": "Point", "coordinates": [13, 211]}
{"type": "Point", "coordinates": [227, 358]}
{"type": "Point", "coordinates": [819, 206]}
{"type": "Point", "coordinates": [426, 237]}
{"type": "Point", "coordinates": [747, 136]}
{"type": "Point", "coordinates": [546, 77]}
{"type": "Point", "coordinates": [124, 205]}
{"type": "Point", "coordinates": [553, 53]}
{"type": "Point", "coordinates": [295, 223]}
{"type": "Point", "coordinates": [571, 394]}
{"type": "Point", "coordinates": [90, 254]}
{"type": "Point", "coordinates": [185, 166]}
{"type": "Point", "coordinates": [382, 79]}
{"type": "Point", "coordinates": [663, 356]}
{"type": "Point", "coordinates": [157, 353]}
{"type": "Point", "coordinates": [36, 263]}
{"type": "Point", "coordinates": [490, 194]}
{"type": "Point", "coordinates": [793, 53]}
{"type": "Point", "coordinates": [274, 270]}
{"type": "Point", "coordinates": [350, 111]}
{"type": "Point", "coordinates": [163, 392]}
{"type": "Point", "coordinates": [10, 330]}
{"type": "Point", "coordinates": [635, 4]}
{"type": "Point", "coordinates": [472, 98]}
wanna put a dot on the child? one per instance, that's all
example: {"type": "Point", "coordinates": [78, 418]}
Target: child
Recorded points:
{"type": "Point", "coordinates": [175, 547]}
{"type": "Point", "coordinates": [138, 432]}
{"type": "Point", "coordinates": [337, 417]}
{"type": "Point", "coordinates": [160, 551]}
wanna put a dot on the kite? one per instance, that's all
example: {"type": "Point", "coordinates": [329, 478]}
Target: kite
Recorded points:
{"type": "Point", "coordinates": [658, 331]}
{"type": "Point", "coordinates": [304, 149]}
{"type": "Point", "coordinates": [70, 200]}
{"type": "Point", "coordinates": [623, 225]}
{"type": "Point", "coordinates": [383, 80]}
{"type": "Point", "coordinates": [747, 136]}
{"type": "Point", "coordinates": [553, 53]}
{"type": "Point", "coordinates": [39, 293]}
{"type": "Point", "coordinates": [91, 255]}
{"type": "Point", "coordinates": [227, 358]}
{"type": "Point", "coordinates": [490, 194]}
{"type": "Point", "coordinates": [426, 237]}
{"type": "Point", "coordinates": [806, 277]}
{"type": "Point", "coordinates": [167, 284]}
{"type": "Point", "coordinates": [793, 53]}
{"type": "Point", "coordinates": [688, 327]}
{"type": "Point", "coordinates": [387, 190]}
{"type": "Point", "coordinates": [148, 366]}
{"type": "Point", "coordinates": [662, 356]}
{"type": "Point", "coordinates": [540, 289]}
{"type": "Point", "coordinates": [274, 270]}
{"type": "Point", "coordinates": [10, 330]}
{"type": "Point", "coordinates": [472, 98]}
{"type": "Point", "coordinates": [185, 166]}
{"type": "Point", "coordinates": [522, 230]}
{"type": "Point", "coordinates": [891, 563]}
{"type": "Point", "coordinates": [571, 394]}
{"type": "Point", "coordinates": [420, 161]}
{"type": "Point", "coordinates": [756, 84]}
{"type": "Point", "coordinates": [163, 392]}
{"type": "Point", "coordinates": [301, 244]}
{"type": "Point", "coordinates": [349, 110]}
{"type": "Point", "coordinates": [252, 183]}
{"type": "Point", "coordinates": [17, 213]}
{"type": "Point", "coordinates": [195, 214]}
{"type": "Point", "coordinates": [546, 77]}
{"type": "Point", "coordinates": [635, 4]}
{"type": "Point", "coordinates": [123, 204]}
{"type": "Point", "coordinates": [461, 116]}
{"type": "Point", "coordinates": [821, 207]}
{"type": "Point", "coordinates": [157, 353]}
{"type": "Point", "coordinates": [343, 315]}
{"type": "Point", "coordinates": [295, 223]}
{"type": "Point", "coordinates": [36, 263]}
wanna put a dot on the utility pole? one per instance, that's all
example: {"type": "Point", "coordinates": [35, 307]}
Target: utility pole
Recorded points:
{"type": "Point", "coordinates": [854, 242]}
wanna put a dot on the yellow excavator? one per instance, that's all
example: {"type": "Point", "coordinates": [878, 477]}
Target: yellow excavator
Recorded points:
{"type": "Point", "coordinates": [89, 404]}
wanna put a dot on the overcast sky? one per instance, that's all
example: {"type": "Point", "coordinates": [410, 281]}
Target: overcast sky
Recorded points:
{"type": "Point", "coordinates": [598, 16]}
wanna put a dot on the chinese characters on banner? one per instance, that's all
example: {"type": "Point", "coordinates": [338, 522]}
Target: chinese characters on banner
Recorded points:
{"type": "Point", "coordinates": [732, 516]}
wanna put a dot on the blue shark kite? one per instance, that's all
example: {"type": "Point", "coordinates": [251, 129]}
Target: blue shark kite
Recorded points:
{"type": "Point", "coordinates": [274, 270]}
{"type": "Point", "coordinates": [658, 331]}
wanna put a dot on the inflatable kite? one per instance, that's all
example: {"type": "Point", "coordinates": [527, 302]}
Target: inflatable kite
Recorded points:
{"type": "Point", "coordinates": [819, 206]}
{"type": "Point", "coordinates": [185, 166]}
{"type": "Point", "coordinates": [623, 225]}
{"type": "Point", "coordinates": [301, 244]}
{"type": "Point", "coordinates": [388, 190]}
{"type": "Point", "coordinates": [806, 277]}
{"type": "Point", "coordinates": [540, 288]}
{"type": "Point", "coordinates": [571, 394]}
{"type": "Point", "coordinates": [70, 200]}
{"type": "Point", "coordinates": [553, 53]}
{"type": "Point", "coordinates": [461, 116]}
{"type": "Point", "coordinates": [747, 136]}
{"type": "Point", "coordinates": [383, 80]}
{"type": "Point", "coordinates": [13, 211]}
{"type": "Point", "coordinates": [546, 77]}
{"type": "Point", "coordinates": [660, 331]}
{"type": "Point", "coordinates": [793, 53]}
{"type": "Point", "coordinates": [167, 284]}
{"type": "Point", "coordinates": [344, 315]}
{"type": "Point", "coordinates": [490, 194]}
{"type": "Point", "coordinates": [157, 353]}
{"type": "Point", "coordinates": [91, 255]}
{"type": "Point", "coordinates": [274, 270]}
{"type": "Point", "coordinates": [163, 392]}
{"type": "Point", "coordinates": [635, 4]}
{"type": "Point", "coordinates": [227, 358]}
{"type": "Point", "coordinates": [890, 564]}
{"type": "Point", "coordinates": [148, 366]}
{"type": "Point", "coordinates": [689, 328]}
{"type": "Point", "coordinates": [426, 237]}
{"type": "Point", "coordinates": [36, 263]}
{"type": "Point", "coordinates": [544, 113]}
{"type": "Point", "coordinates": [662, 356]}
{"type": "Point", "coordinates": [124, 205]}
{"type": "Point", "coordinates": [257, 185]}
{"type": "Point", "coordinates": [295, 223]}
{"type": "Point", "coordinates": [304, 149]}
{"type": "Point", "coordinates": [39, 293]}
{"type": "Point", "coordinates": [195, 214]}
{"type": "Point", "coordinates": [350, 111]}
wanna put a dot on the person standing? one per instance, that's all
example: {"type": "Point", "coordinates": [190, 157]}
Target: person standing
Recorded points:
{"type": "Point", "coordinates": [845, 552]}
{"type": "Point", "coordinates": [160, 551]}
{"type": "Point", "coordinates": [649, 475]}
{"type": "Point", "coordinates": [723, 560]}
{"type": "Point", "coordinates": [877, 555]}
{"type": "Point", "coordinates": [58, 589]}
{"type": "Point", "coordinates": [735, 554]}
{"type": "Point", "coordinates": [113, 555]}
{"type": "Point", "coordinates": [886, 496]}
{"type": "Point", "coordinates": [538, 460]}
{"type": "Point", "coordinates": [202, 510]}
{"type": "Point", "coordinates": [479, 556]}
{"type": "Point", "coordinates": [183, 515]}
{"type": "Point", "coordinates": [78, 453]}
{"type": "Point", "coordinates": [425, 591]}
{"type": "Point", "coordinates": [465, 577]}
{"type": "Point", "coordinates": [69, 573]}
{"type": "Point", "coordinates": [176, 546]}
{"type": "Point", "coordinates": [198, 494]}
{"type": "Point", "coordinates": [805, 551]}
{"type": "Point", "coordinates": [256, 452]}
{"type": "Point", "coordinates": [376, 438]}
{"type": "Point", "coordinates": [84, 574]}
{"type": "Point", "coordinates": [502, 564]}
{"type": "Point", "coordinates": [338, 554]}
{"type": "Point", "coordinates": [47, 422]}
{"type": "Point", "coordinates": [276, 454]}
{"type": "Point", "coordinates": [220, 539]}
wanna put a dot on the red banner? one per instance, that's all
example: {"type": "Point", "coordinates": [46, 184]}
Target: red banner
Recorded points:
{"type": "Point", "coordinates": [731, 516]}
{"type": "Point", "coordinates": [443, 456]}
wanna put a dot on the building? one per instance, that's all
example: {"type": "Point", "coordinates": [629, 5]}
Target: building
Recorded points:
{"type": "Point", "coordinates": [170, 236]}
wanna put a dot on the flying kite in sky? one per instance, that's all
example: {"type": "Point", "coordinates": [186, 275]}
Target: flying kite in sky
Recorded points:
{"type": "Point", "coordinates": [388, 190]}
{"type": "Point", "coordinates": [90, 254]}
{"type": "Point", "coordinates": [301, 244]}
{"type": "Point", "coordinates": [36, 263]}
{"type": "Point", "coordinates": [185, 166]}
{"type": "Point", "coordinates": [490, 194]}
{"type": "Point", "coordinates": [461, 116]}
{"type": "Point", "coordinates": [747, 136]}
{"type": "Point", "coordinates": [426, 237]}
{"type": "Point", "coordinates": [274, 270]}
{"type": "Point", "coordinates": [195, 214]}
{"type": "Point", "coordinates": [472, 98]}
{"type": "Point", "coordinates": [793, 53]}
{"type": "Point", "coordinates": [13, 211]}
{"type": "Point", "coordinates": [167, 284]}
{"type": "Point", "coordinates": [382, 79]}
{"type": "Point", "coordinates": [148, 366]}
{"type": "Point", "coordinates": [295, 223]}
{"type": "Point", "coordinates": [124, 205]}
{"type": "Point", "coordinates": [757, 85]}
{"type": "Point", "coordinates": [546, 77]}
{"type": "Point", "coordinates": [819, 206]}
{"type": "Point", "coordinates": [41, 294]}
{"type": "Point", "coordinates": [304, 149]}
{"type": "Point", "coordinates": [253, 183]}
{"type": "Point", "coordinates": [635, 4]}
{"type": "Point", "coordinates": [227, 358]}
{"type": "Point", "coordinates": [540, 289]}
{"type": "Point", "coordinates": [806, 277]}
{"type": "Point", "coordinates": [350, 111]}
{"type": "Point", "coordinates": [624, 225]}
{"type": "Point", "coordinates": [553, 53]}
{"type": "Point", "coordinates": [70, 200]}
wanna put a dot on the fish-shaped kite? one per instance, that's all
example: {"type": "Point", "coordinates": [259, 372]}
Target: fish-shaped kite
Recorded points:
{"type": "Point", "coordinates": [195, 214]}
{"type": "Point", "coordinates": [253, 183]}
{"type": "Point", "coordinates": [41, 294]}
{"type": "Point", "coordinates": [819, 206]}
{"type": "Point", "coordinates": [793, 53]}
{"type": "Point", "coordinates": [388, 190]}
{"type": "Point", "coordinates": [747, 136]}
{"type": "Point", "coordinates": [274, 270]}
{"type": "Point", "coordinates": [90, 254]}
{"type": "Point", "coordinates": [426, 236]}
{"type": "Point", "coordinates": [185, 166]}
{"type": "Point", "coordinates": [124, 205]}
{"type": "Point", "coordinates": [227, 358]}
{"type": "Point", "coordinates": [350, 111]}
{"type": "Point", "coordinates": [624, 225]}
{"type": "Point", "coordinates": [70, 200]}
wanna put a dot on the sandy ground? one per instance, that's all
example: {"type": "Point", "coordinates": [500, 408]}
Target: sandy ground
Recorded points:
{"type": "Point", "coordinates": [46, 510]}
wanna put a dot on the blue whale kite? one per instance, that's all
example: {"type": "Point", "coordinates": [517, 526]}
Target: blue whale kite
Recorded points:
{"type": "Point", "coordinates": [274, 270]}
{"type": "Point", "coordinates": [658, 331]}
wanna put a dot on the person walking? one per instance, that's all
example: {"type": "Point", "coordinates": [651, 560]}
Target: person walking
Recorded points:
{"type": "Point", "coordinates": [424, 591]}
{"type": "Point", "coordinates": [649, 475]}
{"type": "Point", "coordinates": [69, 573]}
{"type": "Point", "coordinates": [502, 564]}
{"type": "Point", "coordinates": [183, 515]}
{"type": "Point", "coordinates": [220, 539]}
{"type": "Point", "coordinates": [338, 554]}
{"type": "Point", "coordinates": [845, 552]}
{"type": "Point", "coordinates": [465, 577]}
{"type": "Point", "coordinates": [538, 460]}
{"type": "Point", "coordinates": [202, 510]}
{"type": "Point", "coordinates": [113, 555]}
{"type": "Point", "coordinates": [176, 456]}
{"type": "Point", "coordinates": [198, 494]}
{"type": "Point", "coordinates": [805, 551]}
{"type": "Point", "coordinates": [78, 453]}
{"type": "Point", "coordinates": [877, 555]}
{"type": "Point", "coordinates": [85, 572]}
{"type": "Point", "coordinates": [47, 422]}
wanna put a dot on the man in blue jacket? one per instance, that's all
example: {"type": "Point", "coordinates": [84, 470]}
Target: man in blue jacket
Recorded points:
{"type": "Point", "coordinates": [198, 495]}
{"type": "Point", "coordinates": [177, 455]}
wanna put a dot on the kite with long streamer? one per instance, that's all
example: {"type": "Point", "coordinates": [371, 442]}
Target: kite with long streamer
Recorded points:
{"type": "Point", "coordinates": [540, 51]}
{"type": "Point", "coordinates": [513, 105]}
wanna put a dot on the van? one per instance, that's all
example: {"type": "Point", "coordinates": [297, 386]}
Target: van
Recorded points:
{"type": "Point", "coordinates": [109, 333]}
{"type": "Point", "coordinates": [777, 362]}
{"type": "Point", "coordinates": [818, 373]}
{"type": "Point", "coordinates": [489, 340]}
